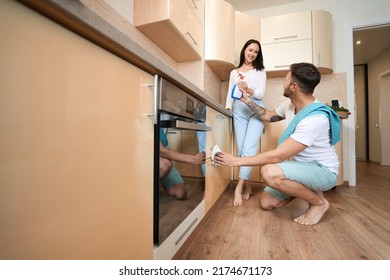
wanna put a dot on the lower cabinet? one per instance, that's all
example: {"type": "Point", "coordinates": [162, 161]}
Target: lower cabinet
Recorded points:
{"type": "Point", "coordinates": [268, 141]}
{"type": "Point", "coordinates": [217, 177]}
{"type": "Point", "coordinates": [76, 146]}
{"type": "Point", "coordinates": [271, 134]}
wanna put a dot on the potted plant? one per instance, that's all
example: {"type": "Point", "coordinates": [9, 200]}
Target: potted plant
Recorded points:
{"type": "Point", "coordinates": [341, 111]}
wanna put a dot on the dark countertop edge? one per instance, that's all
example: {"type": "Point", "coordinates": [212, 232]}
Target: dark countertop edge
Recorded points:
{"type": "Point", "coordinates": [78, 18]}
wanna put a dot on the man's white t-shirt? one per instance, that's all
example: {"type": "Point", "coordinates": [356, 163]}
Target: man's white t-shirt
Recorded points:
{"type": "Point", "coordinates": [313, 132]}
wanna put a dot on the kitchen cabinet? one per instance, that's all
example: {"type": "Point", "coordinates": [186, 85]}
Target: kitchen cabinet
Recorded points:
{"type": "Point", "coordinates": [272, 133]}
{"type": "Point", "coordinates": [246, 27]}
{"type": "Point", "coordinates": [255, 175]}
{"type": "Point", "coordinates": [176, 26]}
{"type": "Point", "coordinates": [76, 178]}
{"type": "Point", "coordinates": [297, 37]}
{"type": "Point", "coordinates": [268, 141]}
{"type": "Point", "coordinates": [339, 151]}
{"type": "Point", "coordinates": [219, 37]}
{"type": "Point", "coordinates": [217, 177]}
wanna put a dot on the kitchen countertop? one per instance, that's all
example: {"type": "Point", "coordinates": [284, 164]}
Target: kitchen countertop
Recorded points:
{"type": "Point", "coordinates": [80, 19]}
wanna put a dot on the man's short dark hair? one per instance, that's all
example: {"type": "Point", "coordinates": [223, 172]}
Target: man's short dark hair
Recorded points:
{"type": "Point", "coordinates": [306, 75]}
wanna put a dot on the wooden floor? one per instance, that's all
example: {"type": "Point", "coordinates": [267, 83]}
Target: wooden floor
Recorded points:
{"type": "Point", "coordinates": [356, 226]}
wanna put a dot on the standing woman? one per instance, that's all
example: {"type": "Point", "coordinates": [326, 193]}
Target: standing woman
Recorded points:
{"type": "Point", "coordinates": [248, 78]}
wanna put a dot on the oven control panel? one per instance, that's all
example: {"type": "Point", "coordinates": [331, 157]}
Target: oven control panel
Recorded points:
{"type": "Point", "coordinates": [178, 102]}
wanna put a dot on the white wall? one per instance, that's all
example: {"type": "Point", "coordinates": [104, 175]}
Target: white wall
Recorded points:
{"type": "Point", "coordinates": [347, 15]}
{"type": "Point", "coordinates": [345, 12]}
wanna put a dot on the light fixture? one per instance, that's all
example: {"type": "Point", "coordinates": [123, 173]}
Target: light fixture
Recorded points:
{"type": "Point", "coordinates": [358, 42]}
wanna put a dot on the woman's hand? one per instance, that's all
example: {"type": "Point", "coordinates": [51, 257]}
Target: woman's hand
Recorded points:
{"type": "Point", "coordinates": [243, 86]}
{"type": "Point", "coordinates": [226, 159]}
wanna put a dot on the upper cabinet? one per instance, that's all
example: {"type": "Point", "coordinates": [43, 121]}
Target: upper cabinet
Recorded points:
{"type": "Point", "coordinates": [219, 37]}
{"type": "Point", "coordinates": [246, 27]}
{"type": "Point", "coordinates": [176, 26]}
{"type": "Point", "coordinates": [298, 37]}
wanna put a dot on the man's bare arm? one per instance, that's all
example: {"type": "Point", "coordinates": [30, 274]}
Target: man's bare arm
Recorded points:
{"type": "Point", "coordinates": [262, 113]}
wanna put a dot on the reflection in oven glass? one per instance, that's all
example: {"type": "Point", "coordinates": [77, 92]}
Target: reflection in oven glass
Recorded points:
{"type": "Point", "coordinates": [172, 211]}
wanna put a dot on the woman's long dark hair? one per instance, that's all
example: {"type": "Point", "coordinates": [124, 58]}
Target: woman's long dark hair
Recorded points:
{"type": "Point", "coordinates": [258, 63]}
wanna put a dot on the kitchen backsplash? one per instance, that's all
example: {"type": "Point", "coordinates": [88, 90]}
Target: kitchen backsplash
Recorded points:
{"type": "Point", "coordinates": [332, 86]}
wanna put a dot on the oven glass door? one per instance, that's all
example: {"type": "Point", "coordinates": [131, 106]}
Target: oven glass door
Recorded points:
{"type": "Point", "coordinates": [172, 211]}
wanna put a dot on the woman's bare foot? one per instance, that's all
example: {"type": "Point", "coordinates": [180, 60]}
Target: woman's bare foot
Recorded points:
{"type": "Point", "coordinates": [248, 191]}
{"type": "Point", "coordinates": [237, 201]}
{"type": "Point", "coordinates": [313, 214]}
{"type": "Point", "coordinates": [237, 198]}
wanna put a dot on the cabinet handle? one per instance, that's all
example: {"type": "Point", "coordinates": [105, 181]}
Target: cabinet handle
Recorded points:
{"type": "Point", "coordinates": [220, 117]}
{"type": "Point", "coordinates": [282, 66]}
{"type": "Point", "coordinates": [318, 59]}
{"type": "Point", "coordinates": [195, 7]}
{"type": "Point", "coordinates": [185, 232]}
{"type": "Point", "coordinates": [192, 38]}
{"type": "Point", "coordinates": [155, 97]}
{"type": "Point", "coordinates": [151, 85]}
{"type": "Point", "coordinates": [286, 37]}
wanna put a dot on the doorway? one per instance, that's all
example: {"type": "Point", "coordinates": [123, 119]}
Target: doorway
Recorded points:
{"type": "Point", "coordinates": [370, 88]}
{"type": "Point", "coordinates": [384, 114]}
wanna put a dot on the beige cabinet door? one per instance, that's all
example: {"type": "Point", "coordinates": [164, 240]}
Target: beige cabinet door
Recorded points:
{"type": "Point", "coordinates": [298, 37]}
{"type": "Point", "coordinates": [322, 40]}
{"type": "Point", "coordinates": [285, 28]}
{"type": "Point", "coordinates": [187, 17]}
{"type": "Point", "coordinates": [280, 56]}
{"type": "Point", "coordinates": [219, 37]}
{"type": "Point", "coordinates": [246, 27]}
{"type": "Point", "coordinates": [217, 177]}
{"type": "Point", "coordinates": [271, 135]}
{"type": "Point", "coordinates": [76, 178]}
{"type": "Point", "coordinates": [176, 26]}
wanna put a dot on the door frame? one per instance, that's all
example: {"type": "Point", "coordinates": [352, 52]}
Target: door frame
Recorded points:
{"type": "Point", "coordinates": [349, 165]}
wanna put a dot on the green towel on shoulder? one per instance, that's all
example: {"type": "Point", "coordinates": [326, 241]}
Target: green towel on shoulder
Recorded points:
{"type": "Point", "coordinates": [314, 109]}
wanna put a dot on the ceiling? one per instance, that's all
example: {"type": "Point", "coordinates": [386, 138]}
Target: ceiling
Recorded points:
{"type": "Point", "coordinates": [247, 5]}
{"type": "Point", "coordinates": [374, 41]}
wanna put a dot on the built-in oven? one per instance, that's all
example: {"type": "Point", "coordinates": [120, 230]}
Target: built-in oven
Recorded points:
{"type": "Point", "coordinates": [181, 118]}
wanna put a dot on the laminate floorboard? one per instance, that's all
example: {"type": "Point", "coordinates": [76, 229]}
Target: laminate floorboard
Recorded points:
{"type": "Point", "coordinates": [356, 226]}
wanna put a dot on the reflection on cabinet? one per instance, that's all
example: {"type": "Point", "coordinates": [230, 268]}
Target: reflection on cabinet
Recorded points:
{"type": "Point", "coordinates": [339, 151]}
{"type": "Point", "coordinates": [72, 159]}
{"type": "Point", "coordinates": [176, 26]}
{"type": "Point", "coordinates": [298, 37]}
{"type": "Point", "coordinates": [268, 141]}
{"type": "Point", "coordinates": [255, 175]}
{"type": "Point", "coordinates": [217, 177]}
{"type": "Point", "coordinates": [271, 135]}
{"type": "Point", "coordinates": [246, 27]}
{"type": "Point", "coordinates": [219, 37]}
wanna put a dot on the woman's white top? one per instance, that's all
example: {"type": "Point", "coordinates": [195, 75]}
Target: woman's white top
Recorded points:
{"type": "Point", "coordinates": [256, 80]}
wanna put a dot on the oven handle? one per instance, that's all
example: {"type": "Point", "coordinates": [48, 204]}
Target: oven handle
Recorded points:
{"type": "Point", "coordinates": [190, 126]}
